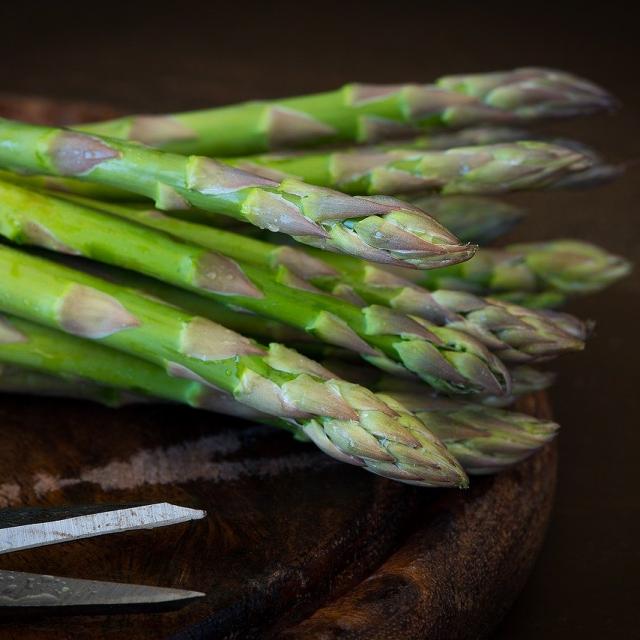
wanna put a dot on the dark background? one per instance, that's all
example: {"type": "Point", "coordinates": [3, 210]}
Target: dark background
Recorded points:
{"type": "Point", "coordinates": [196, 54]}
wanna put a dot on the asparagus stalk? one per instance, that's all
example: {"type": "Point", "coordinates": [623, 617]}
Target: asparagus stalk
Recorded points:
{"type": "Point", "coordinates": [462, 138]}
{"type": "Point", "coordinates": [474, 219]}
{"type": "Point", "coordinates": [525, 379]}
{"type": "Point", "coordinates": [20, 380]}
{"type": "Point", "coordinates": [49, 352]}
{"type": "Point", "coordinates": [357, 428]}
{"type": "Point", "coordinates": [471, 218]}
{"type": "Point", "coordinates": [365, 113]}
{"type": "Point", "coordinates": [538, 275]}
{"type": "Point", "coordinates": [447, 359]}
{"type": "Point", "coordinates": [482, 439]}
{"type": "Point", "coordinates": [496, 168]}
{"type": "Point", "coordinates": [516, 334]}
{"type": "Point", "coordinates": [489, 159]}
{"type": "Point", "coordinates": [68, 185]}
{"type": "Point", "coordinates": [467, 161]}
{"type": "Point", "coordinates": [389, 231]}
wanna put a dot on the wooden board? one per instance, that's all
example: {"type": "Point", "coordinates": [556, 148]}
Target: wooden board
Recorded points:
{"type": "Point", "coordinates": [294, 545]}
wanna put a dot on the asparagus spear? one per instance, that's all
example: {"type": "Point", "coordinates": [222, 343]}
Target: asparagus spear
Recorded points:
{"type": "Point", "coordinates": [388, 231]}
{"type": "Point", "coordinates": [525, 379]}
{"type": "Point", "coordinates": [515, 333]}
{"type": "Point", "coordinates": [538, 274]}
{"type": "Point", "coordinates": [462, 138]}
{"type": "Point", "coordinates": [474, 219]}
{"type": "Point", "coordinates": [389, 442]}
{"type": "Point", "coordinates": [365, 113]}
{"type": "Point", "coordinates": [401, 166]}
{"type": "Point", "coordinates": [485, 164]}
{"type": "Point", "coordinates": [448, 140]}
{"type": "Point", "coordinates": [69, 185]}
{"type": "Point", "coordinates": [471, 218]}
{"type": "Point", "coordinates": [21, 380]}
{"type": "Point", "coordinates": [493, 168]}
{"type": "Point", "coordinates": [53, 353]}
{"type": "Point", "coordinates": [482, 439]}
{"type": "Point", "coordinates": [185, 345]}
{"type": "Point", "coordinates": [447, 359]}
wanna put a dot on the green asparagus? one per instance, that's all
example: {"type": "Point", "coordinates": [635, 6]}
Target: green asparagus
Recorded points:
{"type": "Point", "coordinates": [20, 380]}
{"type": "Point", "coordinates": [448, 359]}
{"type": "Point", "coordinates": [400, 168]}
{"type": "Point", "coordinates": [405, 167]}
{"type": "Point", "coordinates": [463, 138]}
{"type": "Point", "coordinates": [347, 364]}
{"type": "Point", "coordinates": [72, 186]}
{"type": "Point", "coordinates": [508, 159]}
{"type": "Point", "coordinates": [537, 275]}
{"type": "Point", "coordinates": [514, 333]}
{"type": "Point", "coordinates": [482, 439]}
{"type": "Point", "coordinates": [386, 230]}
{"type": "Point", "coordinates": [389, 442]}
{"type": "Point", "coordinates": [470, 218]}
{"type": "Point", "coordinates": [118, 302]}
{"type": "Point", "coordinates": [365, 113]}
{"type": "Point", "coordinates": [494, 168]}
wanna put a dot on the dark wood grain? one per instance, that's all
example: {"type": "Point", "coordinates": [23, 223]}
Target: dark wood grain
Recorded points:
{"type": "Point", "coordinates": [461, 567]}
{"type": "Point", "coordinates": [287, 529]}
{"type": "Point", "coordinates": [294, 545]}
{"type": "Point", "coordinates": [284, 521]}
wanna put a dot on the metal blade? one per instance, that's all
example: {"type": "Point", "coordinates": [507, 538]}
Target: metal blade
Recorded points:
{"type": "Point", "coordinates": [27, 528]}
{"type": "Point", "coordinates": [29, 592]}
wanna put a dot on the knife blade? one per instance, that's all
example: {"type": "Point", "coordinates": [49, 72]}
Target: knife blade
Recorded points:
{"type": "Point", "coordinates": [25, 528]}
{"type": "Point", "coordinates": [30, 593]}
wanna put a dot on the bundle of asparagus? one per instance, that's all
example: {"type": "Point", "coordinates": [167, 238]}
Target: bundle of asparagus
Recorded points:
{"type": "Point", "coordinates": [374, 338]}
